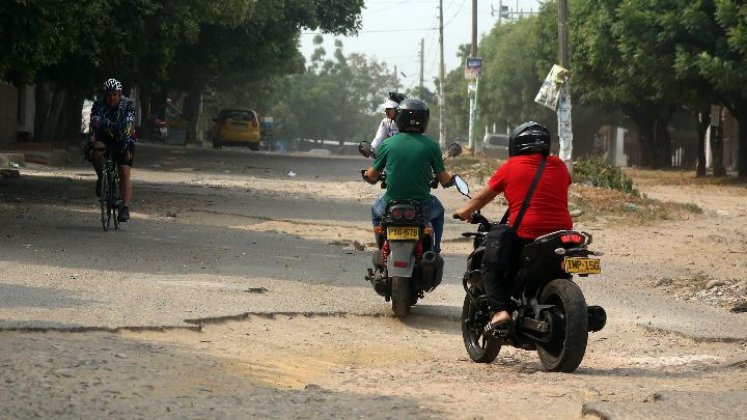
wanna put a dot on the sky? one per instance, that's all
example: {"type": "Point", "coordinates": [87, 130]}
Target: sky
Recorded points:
{"type": "Point", "coordinates": [392, 30]}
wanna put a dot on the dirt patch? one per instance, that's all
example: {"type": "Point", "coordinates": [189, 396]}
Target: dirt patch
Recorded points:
{"type": "Point", "coordinates": [701, 287]}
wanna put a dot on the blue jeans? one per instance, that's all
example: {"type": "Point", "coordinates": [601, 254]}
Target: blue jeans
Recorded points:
{"type": "Point", "coordinates": [434, 213]}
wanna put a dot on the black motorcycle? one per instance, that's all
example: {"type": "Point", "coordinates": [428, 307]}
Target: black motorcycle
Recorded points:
{"type": "Point", "coordinates": [549, 310]}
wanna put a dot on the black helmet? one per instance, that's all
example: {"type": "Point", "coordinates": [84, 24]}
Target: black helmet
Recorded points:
{"type": "Point", "coordinates": [530, 137]}
{"type": "Point", "coordinates": [412, 115]}
{"type": "Point", "coordinates": [397, 97]}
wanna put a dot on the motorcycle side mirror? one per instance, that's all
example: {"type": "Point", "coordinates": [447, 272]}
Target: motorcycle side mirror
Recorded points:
{"type": "Point", "coordinates": [454, 150]}
{"type": "Point", "coordinates": [461, 186]}
{"type": "Point", "coordinates": [365, 149]}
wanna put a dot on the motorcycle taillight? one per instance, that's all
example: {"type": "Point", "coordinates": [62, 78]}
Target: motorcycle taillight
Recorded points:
{"type": "Point", "coordinates": [572, 238]}
{"type": "Point", "coordinates": [409, 214]}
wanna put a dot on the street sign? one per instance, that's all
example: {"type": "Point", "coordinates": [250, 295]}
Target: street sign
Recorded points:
{"type": "Point", "coordinates": [472, 68]}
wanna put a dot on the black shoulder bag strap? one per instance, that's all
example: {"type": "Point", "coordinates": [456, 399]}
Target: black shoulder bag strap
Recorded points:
{"type": "Point", "coordinates": [527, 198]}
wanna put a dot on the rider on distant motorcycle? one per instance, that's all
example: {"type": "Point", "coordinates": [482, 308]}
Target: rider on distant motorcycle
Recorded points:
{"type": "Point", "coordinates": [388, 126]}
{"type": "Point", "coordinates": [112, 121]}
{"type": "Point", "coordinates": [547, 211]}
{"type": "Point", "coordinates": [410, 159]}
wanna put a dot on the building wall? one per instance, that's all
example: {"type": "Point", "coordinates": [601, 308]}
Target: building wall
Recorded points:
{"type": "Point", "coordinates": [8, 114]}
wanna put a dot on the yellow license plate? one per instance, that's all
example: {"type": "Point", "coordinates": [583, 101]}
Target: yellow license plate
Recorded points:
{"type": "Point", "coordinates": [579, 265]}
{"type": "Point", "coordinates": [403, 233]}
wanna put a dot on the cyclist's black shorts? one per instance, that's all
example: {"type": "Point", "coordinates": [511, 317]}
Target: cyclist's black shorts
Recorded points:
{"type": "Point", "coordinates": [119, 155]}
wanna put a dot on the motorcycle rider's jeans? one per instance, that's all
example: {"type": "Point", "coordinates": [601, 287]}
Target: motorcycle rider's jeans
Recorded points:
{"type": "Point", "coordinates": [434, 213]}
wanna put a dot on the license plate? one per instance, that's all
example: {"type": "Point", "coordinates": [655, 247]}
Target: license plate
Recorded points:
{"type": "Point", "coordinates": [579, 265]}
{"type": "Point", "coordinates": [403, 233]}
{"type": "Point", "coordinates": [238, 127]}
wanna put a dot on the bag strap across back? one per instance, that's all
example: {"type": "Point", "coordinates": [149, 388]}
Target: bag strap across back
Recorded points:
{"type": "Point", "coordinates": [528, 197]}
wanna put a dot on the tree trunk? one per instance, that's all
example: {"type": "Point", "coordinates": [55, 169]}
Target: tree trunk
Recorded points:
{"type": "Point", "coordinates": [740, 114]}
{"type": "Point", "coordinates": [70, 121]}
{"type": "Point", "coordinates": [662, 145]}
{"type": "Point", "coordinates": [50, 127]}
{"type": "Point", "coordinates": [646, 136]}
{"type": "Point", "coordinates": [703, 120]}
{"type": "Point", "coordinates": [43, 102]}
{"type": "Point", "coordinates": [192, 110]}
{"type": "Point", "coordinates": [717, 150]}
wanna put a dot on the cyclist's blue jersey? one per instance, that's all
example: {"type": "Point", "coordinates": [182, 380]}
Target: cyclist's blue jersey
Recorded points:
{"type": "Point", "coordinates": [122, 120]}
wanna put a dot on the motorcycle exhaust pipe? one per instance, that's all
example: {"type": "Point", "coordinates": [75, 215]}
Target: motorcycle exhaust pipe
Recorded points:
{"type": "Point", "coordinates": [432, 270]}
{"type": "Point", "coordinates": [597, 318]}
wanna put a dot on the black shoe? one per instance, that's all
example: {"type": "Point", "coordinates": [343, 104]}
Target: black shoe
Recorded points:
{"type": "Point", "coordinates": [98, 187]}
{"type": "Point", "coordinates": [502, 329]}
{"type": "Point", "coordinates": [124, 214]}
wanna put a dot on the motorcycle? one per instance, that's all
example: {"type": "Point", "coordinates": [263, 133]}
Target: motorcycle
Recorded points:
{"type": "Point", "coordinates": [404, 264]}
{"type": "Point", "coordinates": [550, 314]}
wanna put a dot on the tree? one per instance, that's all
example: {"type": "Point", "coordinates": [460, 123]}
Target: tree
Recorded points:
{"type": "Point", "coordinates": [264, 43]}
{"type": "Point", "coordinates": [336, 98]}
{"type": "Point", "coordinates": [723, 66]}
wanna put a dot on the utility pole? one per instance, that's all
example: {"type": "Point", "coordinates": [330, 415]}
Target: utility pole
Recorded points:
{"type": "Point", "coordinates": [422, 63]}
{"type": "Point", "coordinates": [474, 29]}
{"type": "Point", "coordinates": [441, 77]}
{"type": "Point", "coordinates": [565, 128]}
{"type": "Point", "coordinates": [474, 84]}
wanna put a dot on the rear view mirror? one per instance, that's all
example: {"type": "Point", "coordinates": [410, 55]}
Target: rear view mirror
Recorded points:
{"type": "Point", "coordinates": [365, 149]}
{"type": "Point", "coordinates": [454, 150]}
{"type": "Point", "coordinates": [461, 185]}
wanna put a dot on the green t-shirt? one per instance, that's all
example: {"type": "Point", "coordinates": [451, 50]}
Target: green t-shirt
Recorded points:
{"type": "Point", "coordinates": [411, 160]}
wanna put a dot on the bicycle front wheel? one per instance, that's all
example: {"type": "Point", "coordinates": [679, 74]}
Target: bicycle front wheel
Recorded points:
{"type": "Point", "coordinates": [104, 199]}
{"type": "Point", "coordinates": [115, 199]}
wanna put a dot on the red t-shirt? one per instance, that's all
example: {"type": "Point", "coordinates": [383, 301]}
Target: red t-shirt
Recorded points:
{"type": "Point", "coordinates": [548, 208]}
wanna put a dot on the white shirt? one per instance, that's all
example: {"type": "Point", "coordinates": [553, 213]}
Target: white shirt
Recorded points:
{"type": "Point", "coordinates": [387, 129]}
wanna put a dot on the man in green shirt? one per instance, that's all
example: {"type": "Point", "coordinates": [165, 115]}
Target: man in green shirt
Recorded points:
{"type": "Point", "coordinates": [411, 159]}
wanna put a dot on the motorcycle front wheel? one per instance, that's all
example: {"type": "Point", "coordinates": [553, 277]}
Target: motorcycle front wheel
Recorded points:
{"type": "Point", "coordinates": [401, 298]}
{"type": "Point", "coordinates": [480, 347]}
{"type": "Point", "coordinates": [570, 326]}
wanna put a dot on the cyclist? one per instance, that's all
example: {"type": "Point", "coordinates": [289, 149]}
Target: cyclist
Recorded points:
{"type": "Point", "coordinates": [410, 159]}
{"type": "Point", "coordinates": [112, 124]}
{"type": "Point", "coordinates": [388, 126]}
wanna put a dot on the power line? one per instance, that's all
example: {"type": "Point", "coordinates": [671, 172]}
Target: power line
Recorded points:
{"type": "Point", "coordinates": [378, 31]}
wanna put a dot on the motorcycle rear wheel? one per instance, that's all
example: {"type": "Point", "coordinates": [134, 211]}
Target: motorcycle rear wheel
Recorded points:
{"type": "Point", "coordinates": [401, 299]}
{"type": "Point", "coordinates": [570, 327]}
{"type": "Point", "coordinates": [481, 348]}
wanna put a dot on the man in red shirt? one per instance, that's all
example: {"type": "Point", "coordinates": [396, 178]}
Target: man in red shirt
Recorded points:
{"type": "Point", "coordinates": [547, 211]}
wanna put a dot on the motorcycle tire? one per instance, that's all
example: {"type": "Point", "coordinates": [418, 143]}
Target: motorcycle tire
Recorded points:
{"type": "Point", "coordinates": [481, 348]}
{"type": "Point", "coordinates": [570, 326]}
{"type": "Point", "coordinates": [401, 298]}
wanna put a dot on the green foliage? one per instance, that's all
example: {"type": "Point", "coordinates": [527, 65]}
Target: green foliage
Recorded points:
{"type": "Point", "coordinates": [515, 65]}
{"type": "Point", "coordinates": [336, 98]}
{"type": "Point", "coordinates": [599, 173]}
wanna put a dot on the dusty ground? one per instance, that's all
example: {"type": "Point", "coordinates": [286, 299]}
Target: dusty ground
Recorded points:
{"type": "Point", "coordinates": [240, 295]}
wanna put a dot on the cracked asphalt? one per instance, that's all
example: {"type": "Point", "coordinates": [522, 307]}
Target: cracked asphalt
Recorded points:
{"type": "Point", "coordinates": [248, 279]}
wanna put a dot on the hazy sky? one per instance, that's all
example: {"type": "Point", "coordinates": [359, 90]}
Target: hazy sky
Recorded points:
{"type": "Point", "coordinates": [392, 30]}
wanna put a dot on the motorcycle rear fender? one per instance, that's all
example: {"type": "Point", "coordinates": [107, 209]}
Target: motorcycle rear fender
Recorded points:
{"type": "Point", "coordinates": [401, 251]}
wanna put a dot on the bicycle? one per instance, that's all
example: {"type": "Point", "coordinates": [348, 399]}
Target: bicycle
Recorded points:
{"type": "Point", "coordinates": [110, 198]}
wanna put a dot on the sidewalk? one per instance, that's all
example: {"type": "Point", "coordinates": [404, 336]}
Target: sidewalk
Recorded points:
{"type": "Point", "coordinates": [42, 153]}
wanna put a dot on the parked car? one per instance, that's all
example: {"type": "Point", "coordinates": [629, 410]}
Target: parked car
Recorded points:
{"type": "Point", "coordinates": [237, 127]}
{"type": "Point", "coordinates": [495, 145]}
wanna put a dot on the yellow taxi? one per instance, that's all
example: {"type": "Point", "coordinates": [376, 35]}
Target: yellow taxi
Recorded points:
{"type": "Point", "coordinates": [237, 127]}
